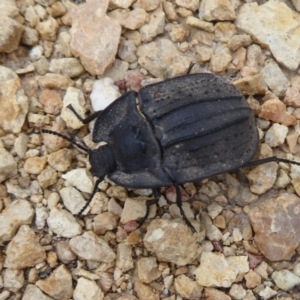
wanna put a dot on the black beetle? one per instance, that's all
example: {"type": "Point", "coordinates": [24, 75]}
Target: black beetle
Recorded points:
{"type": "Point", "coordinates": [181, 130]}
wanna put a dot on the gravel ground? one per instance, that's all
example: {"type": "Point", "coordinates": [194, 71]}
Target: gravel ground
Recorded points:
{"type": "Point", "coordinates": [56, 53]}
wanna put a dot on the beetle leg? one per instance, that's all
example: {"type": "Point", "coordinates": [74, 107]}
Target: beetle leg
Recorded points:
{"type": "Point", "coordinates": [156, 193]}
{"type": "Point", "coordinates": [190, 68]}
{"type": "Point", "coordinates": [179, 204]}
{"type": "Point", "coordinates": [86, 120]}
{"type": "Point", "coordinates": [91, 197]}
{"type": "Point", "coordinates": [268, 159]}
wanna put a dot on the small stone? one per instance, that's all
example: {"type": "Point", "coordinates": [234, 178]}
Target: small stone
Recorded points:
{"type": "Point", "coordinates": [258, 21]}
{"type": "Point", "coordinates": [81, 179]}
{"type": "Point", "coordinates": [105, 222]}
{"type": "Point", "coordinates": [55, 81]}
{"type": "Point", "coordinates": [74, 97]}
{"type": "Point", "coordinates": [192, 5]}
{"type": "Point", "coordinates": [117, 192]}
{"type": "Point", "coordinates": [15, 102]}
{"type": "Point", "coordinates": [210, 188]}
{"type": "Point", "coordinates": [147, 5]}
{"type": "Point", "coordinates": [48, 29]}
{"type": "Point", "coordinates": [285, 279]}
{"type": "Point", "coordinates": [60, 160]}
{"type": "Point", "coordinates": [62, 223]}
{"type": "Point", "coordinates": [18, 213]}
{"type": "Point", "coordinates": [252, 279]}
{"type": "Point", "coordinates": [127, 50]}
{"type": "Point", "coordinates": [135, 209]}
{"type": "Point", "coordinates": [124, 259]}
{"type": "Point", "coordinates": [275, 79]}
{"type": "Point", "coordinates": [117, 70]}
{"type": "Point", "coordinates": [217, 270]}
{"type": "Point", "coordinates": [64, 252]}
{"type": "Point", "coordinates": [214, 209]}
{"type": "Point", "coordinates": [41, 215]}
{"type": "Point", "coordinates": [163, 234]}
{"type": "Point", "coordinates": [104, 92]}
{"type": "Point", "coordinates": [72, 200]}
{"type": "Point", "coordinates": [251, 85]}
{"type": "Point", "coordinates": [267, 293]}
{"type": "Point", "coordinates": [178, 33]}
{"type": "Point", "coordinates": [155, 57]}
{"type": "Point", "coordinates": [10, 34]}
{"type": "Point", "coordinates": [8, 166]}
{"type": "Point", "coordinates": [87, 289]}
{"type": "Point", "coordinates": [170, 11]}
{"type": "Point", "coordinates": [20, 144]}
{"type": "Point", "coordinates": [68, 66]}
{"type": "Point", "coordinates": [37, 120]}
{"type": "Point", "coordinates": [56, 10]}
{"type": "Point", "coordinates": [134, 80]}
{"type": "Point", "coordinates": [239, 58]}
{"type": "Point", "coordinates": [262, 177]}
{"type": "Point", "coordinates": [220, 222]}
{"type": "Point", "coordinates": [220, 60]}
{"type": "Point", "coordinates": [204, 25]}
{"type": "Point", "coordinates": [17, 190]}
{"type": "Point", "coordinates": [274, 241]}
{"type": "Point", "coordinates": [24, 250]}
{"type": "Point", "coordinates": [47, 177]}
{"type": "Point", "coordinates": [147, 269]}
{"type": "Point", "coordinates": [133, 19]}
{"type": "Point", "coordinates": [212, 232]}
{"type": "Point", "coordinates": [203, 53]}
{"type": "Point", "coordinates": [91, 247]}
{"type": "Point", "coordinates": [41, 66]}
{"type": "Point", "coordinates": [216, 10]}
{"type": "Point", "coordinates": [33, 292]}
{"type": "Point", "coordinates": [276, 135]}
{"type": "Point", "coordinates": [59, 284]}
{"type": "Point", "coordinates": [90, 40]}
{"type": "Point", "coordinates": [237, 292]}
{"type": "Point", "coordinates": [214, 294]}
{"type": "Point", "coordinates": [187, 287]}
{"type": "Point", "coordinates": [30, 37]}
{"type": "Point", "coordinates": [144, 292]}
{"type": "Point", "coordinates": [13, 280]}
{"type": "Point", "coordinates": [274, 110]}
{"type": "Point", "coordinates": [31, 16]}
{"type": "Point", "coordinates": [239, 40]}
{"type": "Point", "coordinates": [51, 101]}
{"type": "Point", "coordinates": [155, 26]}
{"type": "Point", "coordinates": [113, 4]}
{"type": "Point", "coordinates": [35, 165]}
{"type": "Point", "coordinates": [53, 142]}
{"type": "Point", "coordinates": [292, 97]}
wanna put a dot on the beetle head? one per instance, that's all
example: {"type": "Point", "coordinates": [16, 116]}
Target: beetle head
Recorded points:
{"type": "Point", "coordinates": [102, 161]}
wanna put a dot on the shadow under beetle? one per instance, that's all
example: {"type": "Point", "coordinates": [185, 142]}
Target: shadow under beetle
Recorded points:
{"type": "Point", "coordinates": [181, 130]}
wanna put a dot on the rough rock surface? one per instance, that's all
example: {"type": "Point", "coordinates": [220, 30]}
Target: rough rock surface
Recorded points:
{"type": "Point", "coordinates": [270, 24]}
{"type": "Point", "coordinates": [275, 220]}
{"type": "Point", "coordinates": [161, 239]}
{"type": "Point", "coordinates": [94, 36]}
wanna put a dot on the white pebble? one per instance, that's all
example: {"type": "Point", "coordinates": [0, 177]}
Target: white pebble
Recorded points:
{"type": "Point", "coordinates": [104, 92]}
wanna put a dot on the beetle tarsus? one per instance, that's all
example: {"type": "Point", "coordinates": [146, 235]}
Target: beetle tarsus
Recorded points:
{"type": "Point", "coordinates": [156, 193]}
{"type": "Point", "coordinates": [86, 120]}
{"type": "Point", "coordinates": [179, 204]}
{"type": "Point", "coordinates": [90, 199]}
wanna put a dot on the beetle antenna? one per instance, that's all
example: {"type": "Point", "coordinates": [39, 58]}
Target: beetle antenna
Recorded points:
{"type": "Point", "coordinates": [67, 139]}
{"type": "Point", "coordinates": [269, 159]}
{"type": "Point", "coordinates": [91, 197]}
